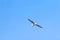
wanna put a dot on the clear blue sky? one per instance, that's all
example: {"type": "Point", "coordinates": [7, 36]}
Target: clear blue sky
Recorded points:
{"type": "Point", "coordinates": [15, 26]}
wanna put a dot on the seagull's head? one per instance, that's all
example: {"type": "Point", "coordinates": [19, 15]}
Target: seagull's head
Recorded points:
{"type": "Point", "coordinates": [35, 23]}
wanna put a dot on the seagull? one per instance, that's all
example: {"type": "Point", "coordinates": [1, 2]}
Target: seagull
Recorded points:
{"type": "Point", "coordinates": [34, 24]}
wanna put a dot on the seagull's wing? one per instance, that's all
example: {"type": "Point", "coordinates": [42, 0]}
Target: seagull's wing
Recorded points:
{"type": "Point", "coordinates": [31, 21]}
{"type": "Point", "coordinates": [38, 25]}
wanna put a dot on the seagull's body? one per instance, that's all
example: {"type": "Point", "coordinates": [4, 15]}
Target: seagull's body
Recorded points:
{"type": "Point", "coordinates": [34, 24]}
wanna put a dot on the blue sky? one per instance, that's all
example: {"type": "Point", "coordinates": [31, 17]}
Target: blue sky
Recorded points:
{"type": "Point", "coordinates": [15, 26]}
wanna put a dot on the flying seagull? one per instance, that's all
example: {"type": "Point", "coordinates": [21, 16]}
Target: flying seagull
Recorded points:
{"type": "Point", "coordinates": [34, 24]}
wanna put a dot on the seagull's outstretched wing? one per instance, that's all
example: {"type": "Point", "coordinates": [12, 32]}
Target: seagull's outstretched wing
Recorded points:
{"type": "Point", "coordinates": [38, 25]}
{"type": "Point", "coordinates": [31, 21]}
